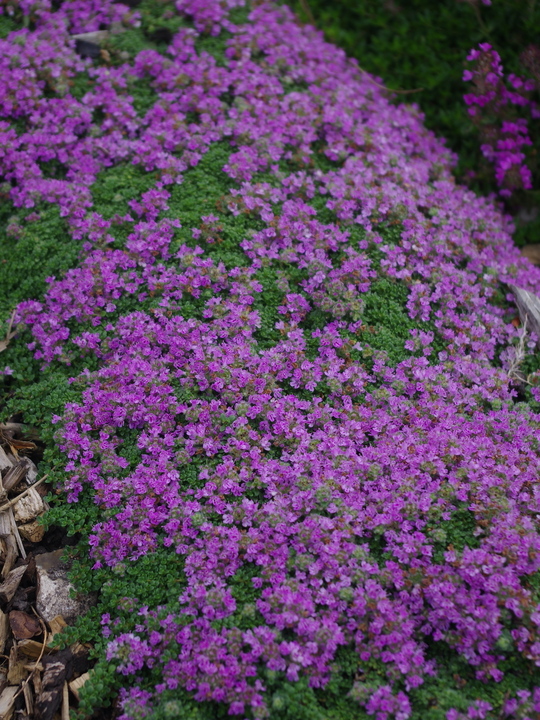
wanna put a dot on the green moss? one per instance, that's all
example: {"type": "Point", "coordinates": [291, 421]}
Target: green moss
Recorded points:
{"type": "Point", "coordinates": [7, 25]}
{"type": "Point", "coordinates": [158, 24]}
{"type": "Point", "coordinates": [31, 252]}
{"type": "Point", "coordinates": [116, 186]}
{"type": "Point", "coordinates": [41, 398]}
{"type": "Point", "coordinates": [131, 41]}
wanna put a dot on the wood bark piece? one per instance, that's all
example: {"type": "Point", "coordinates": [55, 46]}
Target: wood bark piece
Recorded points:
{"type": "Point", "coordinates": [5, 462]}
{"type": "Point", "coordinates": [56, 625]}
{"type": "Point", "coordinates": [4, 631]}
{"type": "Point", "coordinates": [11, 583]}
{"type": "Point", "coordinates": [28, 699]}
{"type": "Point", "coordinates": [29, 507]}
{"type": "Point", "coordinates": [10, 503]}
{"type": "Point", "coordinates": [528, 306]}
{"type": "Point", "coordinates": [14, 475]}
{"type": "Point", "coordinates": [7, 701]}
{"type": "Point", "coordinates": [11, 554]}
{"type": "Point", "coordinates": [31, 472]}
{"type": "Point", "coordinates": [34, 666]}
{"type": "Point", "coordinates": [9, 534]}
{"type": "Point", "coordinates": [33, 649]}
{"type": "Point", "coordinates": [15, 427]}
{"type": "Point", "coordinates": [52, 690]}
{"type": "Point", "coordinates": [17, 673]}
{"type": "Point", "coordinates": [57, 673]}
{"type": "Point", "coordinates": [32, 531]}
{"type": "Point", "coordinates": [65, 702]}
{"type": "Point", "coordinates": [76, 685]}
{"type": "Point", "coordinates": [15, 533]}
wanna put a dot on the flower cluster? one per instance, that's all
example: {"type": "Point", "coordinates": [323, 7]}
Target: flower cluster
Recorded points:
{"type": "Point", "coordinates": [79, 16]}
{"type": "Point", "coordinates": [492, 106]}
{"type": "Point", "coordinates": [328, 475]}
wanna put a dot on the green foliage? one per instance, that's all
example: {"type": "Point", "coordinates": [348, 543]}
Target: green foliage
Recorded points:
{"type": "Point", "coordinates": [386, 323]}
{"type": "Point", "coordinates": [7, 25]}
{"type": "Point", "coordinates": [157, 23]}
{"type": "Point", "coordinates": [31, 252]}
{"type": "Point", "coordinates": [115, 186]}
{"type": "Point", "coordinates": [131, 41]}
{"type": "Point", "coordinates": [77, 519]}
{"type": "Point", "coordinates": [456, 685]}
{"type": "Point", "coordinates": [100, 690]}
{"type": "Point", "coordinates": [202, 193]}
{"type": "Point", "coordinates": [38, 401]}
{"type": "Point", "coordinates": [179, 704]}
{"type": "Point", "coordinates": [457, 533]}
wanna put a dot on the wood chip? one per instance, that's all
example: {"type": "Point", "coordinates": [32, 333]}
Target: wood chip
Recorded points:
{"type": "Point", "coordinates": [5, 462]}
{"type": "Point", "coordinates": [32, 649]}
{"type": "Point", "coordinates": [29, 507]}
{"type": "Point", "coordinates": [14, 475]}
{"type": "Point", "coordinates": [56, 625]}
{"type": "Point", "coordinates": [77, 684]}
{"type": "Point", "coordinates": [37, 666]}
{"type": "Point", "coordinates": [9, 335]}
{"type": "Point", "coordinates": [7, 701]}
{"type": "Point", "coordinates": [15, 533]}
{"type": "Point", "coordinates": [11, 583]}
{"type": "Point", "coordinates": [16, 670]}
{"type": "Point", "coordinates": [52, 693]}
{"type": "Point", "coordinates": [65, 702]}
{"type": "Point", "coordinates": [80, 649]}
{"type": "Point", "coordinates": [31, 472]}
{"type": "Point", "coordinates": [28, 699]}
{"type": "Point", "coordinates": [11, 551]}
{"type": "Point", "coordinates": [36, 680]}
{"type": "Point", "coordinates": [4, 631]}
{"type": "Point", "coordinates": [32, 531]}
{"type": "Point", "coordinates": [5, 525]}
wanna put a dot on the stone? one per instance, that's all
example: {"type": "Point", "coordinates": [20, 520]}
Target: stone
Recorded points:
{"type": "Point", "coordinates": [54, 591]}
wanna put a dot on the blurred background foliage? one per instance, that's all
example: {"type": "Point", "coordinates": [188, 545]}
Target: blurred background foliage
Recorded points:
{"type": "Point", "coordinates": [421, 45]}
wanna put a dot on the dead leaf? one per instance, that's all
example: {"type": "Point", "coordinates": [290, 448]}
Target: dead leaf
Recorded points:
{"type": "Point", "coordinates": [23, 626]}
{"type": "Point", "coordinates": [22, 445]}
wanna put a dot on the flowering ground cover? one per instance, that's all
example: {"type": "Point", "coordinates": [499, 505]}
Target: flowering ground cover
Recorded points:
{"type": "Point", "coordinates": [273, 349]}
{"type": "Point", "coordinates": [432, 42]}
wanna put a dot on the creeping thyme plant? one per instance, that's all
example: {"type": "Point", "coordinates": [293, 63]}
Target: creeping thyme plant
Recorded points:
{"type": "Point", "coordinates": [271, 345]}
